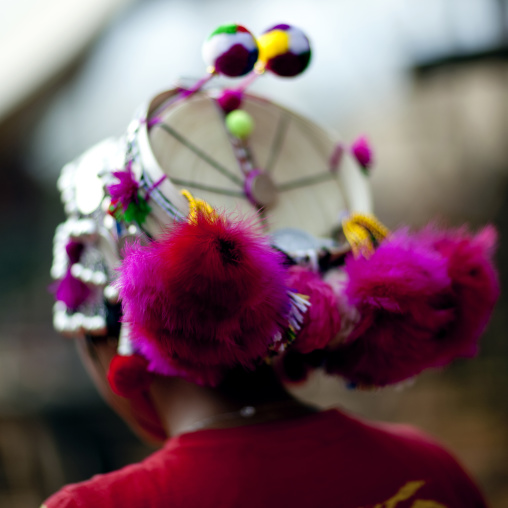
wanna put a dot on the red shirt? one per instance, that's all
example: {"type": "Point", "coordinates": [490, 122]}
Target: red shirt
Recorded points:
{"type": "Point", "coordinates": [327, 459]}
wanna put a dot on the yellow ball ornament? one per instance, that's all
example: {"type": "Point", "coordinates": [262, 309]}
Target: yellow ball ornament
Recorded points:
{"type": "Point", "coordinates": [284, 50]}
{"type": "Point", "coordinates": [272, 44]}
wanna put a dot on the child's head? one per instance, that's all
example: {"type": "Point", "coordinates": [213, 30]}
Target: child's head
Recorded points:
{"type": "Point", "coordinates": [225, 233]}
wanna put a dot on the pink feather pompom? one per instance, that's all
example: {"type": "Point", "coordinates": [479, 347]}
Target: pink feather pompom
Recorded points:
{"type": "Point", "coordinates": [206, 297]}
{"type": "Point", "coordinates": [125, 191]}
{"type": "Point", "coordinates": [204, 375]}
{"type": "Point", "coordinates": [474, 281]}
{"type": "Point", "coordinates": [71, 291]}
{"type": "Point", "coordinates": [424, 300]}
{"type": "Point", "coordinates": [322, 319]}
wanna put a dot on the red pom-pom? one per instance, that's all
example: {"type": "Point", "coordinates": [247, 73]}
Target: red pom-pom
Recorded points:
{"type": "Point", "coordinates": [128, 375]}
{"type": "Point", "coordinates": [322, 319]}
{"type": "Point", "coordinates": [211, 294]}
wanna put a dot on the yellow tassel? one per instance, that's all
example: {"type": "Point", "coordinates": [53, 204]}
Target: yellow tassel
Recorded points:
{"type": "Point", "coordinates": [362, 231]}
{"type": "Point", "coordinates": [197, 205]}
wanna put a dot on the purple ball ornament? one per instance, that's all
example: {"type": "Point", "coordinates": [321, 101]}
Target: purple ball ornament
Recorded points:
{"type": "Point", "coordinates": [284, 50]}
{"type": "Point", "coordinates": [229, 100]}
{"type": "Point", "coordinates": [362, 152]}
{"type": "Point", "coordinates": [230, 50]}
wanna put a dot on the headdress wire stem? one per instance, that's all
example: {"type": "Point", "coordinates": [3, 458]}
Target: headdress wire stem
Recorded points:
{"type": "Point", "coordinates": [248, 80]}
{"type": "Point", "coordinates": [175, 99]}
{"type": "Point", "coordinates": [154, 186]}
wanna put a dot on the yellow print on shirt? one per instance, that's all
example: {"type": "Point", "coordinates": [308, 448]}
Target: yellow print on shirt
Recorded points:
{"type": "Point", "coordinates": [405, 493]}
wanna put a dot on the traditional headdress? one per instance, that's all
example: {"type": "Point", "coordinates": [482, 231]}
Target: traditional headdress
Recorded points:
{"type": "Point", "coordinates": [224, 230]}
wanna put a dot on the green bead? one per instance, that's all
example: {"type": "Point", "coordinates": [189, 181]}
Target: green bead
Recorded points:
{"type": "Point", "coordinates": [239, 123]}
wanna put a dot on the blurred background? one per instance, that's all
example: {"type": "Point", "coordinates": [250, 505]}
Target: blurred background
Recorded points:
{"type": "Point", "coordinates": [426, 81]}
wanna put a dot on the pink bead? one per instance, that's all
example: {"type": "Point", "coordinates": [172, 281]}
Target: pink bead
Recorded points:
{"type": "Point", "coordinates": [230, 100]}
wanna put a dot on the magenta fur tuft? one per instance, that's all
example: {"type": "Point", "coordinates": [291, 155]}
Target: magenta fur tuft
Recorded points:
{"type": "Point", "coordinates": [74, 250]}
{"type": "Point", "coordinates": [126, 190]}
{"type": "Point", "coordinates": [474, 282]}
{"type": "Point", "coordinates": [424, 300]}
{"type": "Point", "coordinates": [362, 151]}
{"type": "Point", "coordinates": [71, 291]}
{"type": "Point", "coordinates": [209, 295]}
{"type": "Point", "coordinates": [322, 319]}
